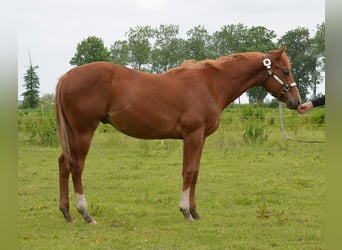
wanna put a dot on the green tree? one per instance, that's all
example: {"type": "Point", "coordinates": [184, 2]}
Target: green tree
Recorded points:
{"type": "Point", "coordinates": [119, 52]}
{"type": "Point", "coordinates": [256, 95]}
{"type": "Point", "coordinates": [139, 46]}
{"type": "Point", "coordinates": [90, 50]}
{"type": "Point", "coordinates": [31, 95]}
{"type": "Point", "coordinates": [167, 49]}
{"type": "Point", "coordinates": [258, 38]}
{"type": "Point", "coordinates": [318, 52]}
{"type": "Point", "coordinates": [319, 39]}
{"type": "Point", "coordinates": [230, 39]}
{"type": "Point", "coordinates": [198, 44]}
{"type": "Point", "coordinates": [303, 62]}
{"type": "Point", "coordinates": [48, 98]}
{"type": "Point", "coordinates": [47, 102]}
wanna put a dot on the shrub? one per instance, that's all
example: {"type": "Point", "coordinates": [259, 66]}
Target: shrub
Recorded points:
{"type": "Point", "coordinates": [318, 118]}
{"type": "Point", "coordinates": [38, 129]}
{"type": "Point", "coordinates": [250, 112]}
{"type": "Point", "coordinates": [256, 132]}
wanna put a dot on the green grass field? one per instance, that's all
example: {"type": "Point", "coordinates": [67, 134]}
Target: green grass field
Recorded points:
{"type": "Point", "coordinates": [250, 194]}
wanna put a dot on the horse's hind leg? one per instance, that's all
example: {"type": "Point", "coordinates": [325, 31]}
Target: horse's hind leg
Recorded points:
{"type": "Point", "coordinates": [64, 174]}
{"type": "Point", "coordinates": [81, 146]}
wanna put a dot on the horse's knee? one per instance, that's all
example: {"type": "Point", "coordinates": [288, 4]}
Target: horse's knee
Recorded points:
{"type": "Point", "coordinates": [188, 175]}
{"type": "Point", "coordinates": [61, 161]}
{"type": "Point", "coordinates": [194, 177]}
{"type": "Point", "coordinates": [63, 166]}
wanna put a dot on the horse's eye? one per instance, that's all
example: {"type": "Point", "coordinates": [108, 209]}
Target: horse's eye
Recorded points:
{"type": "Point", "coordinates": [286, 72]}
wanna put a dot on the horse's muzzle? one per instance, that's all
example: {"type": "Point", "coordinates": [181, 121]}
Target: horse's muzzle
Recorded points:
{"type": "Point", "coordinates": [292, 104]}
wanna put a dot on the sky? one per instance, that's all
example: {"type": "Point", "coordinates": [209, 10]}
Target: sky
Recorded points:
{"type": "Point", "coordinates": [50, 30]}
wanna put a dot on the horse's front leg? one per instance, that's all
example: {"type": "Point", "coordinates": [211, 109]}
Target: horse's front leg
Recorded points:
{"type": "Point", "coordinates": [193, 145]}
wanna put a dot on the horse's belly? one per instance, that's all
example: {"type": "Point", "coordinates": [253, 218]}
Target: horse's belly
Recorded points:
{"type": "Point", "coordinates": [145, 126]}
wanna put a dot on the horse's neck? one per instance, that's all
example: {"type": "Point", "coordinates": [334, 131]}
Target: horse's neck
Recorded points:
{"type": "Point", "coordinates": [237, 78]}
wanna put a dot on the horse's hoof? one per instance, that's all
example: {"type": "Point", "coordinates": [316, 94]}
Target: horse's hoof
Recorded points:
{"type": "Point", "coordinates": [70, 220]}
{"type": "Point", "coordinates": [89, 220]}
{"type": "Point", "coordinates": [187, 215]}
{"type": "Point", "coordinates": [194, 214]}
{"type": "Point", "coordinates": [93, 222]}
{"type": "Point", "coordinates": [66, 215]}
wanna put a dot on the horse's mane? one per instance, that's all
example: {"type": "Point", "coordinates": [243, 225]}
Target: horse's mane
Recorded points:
{"type": "Point", "coordinates": [231, 58]}
{"type": "Point", "coordinates": [209, 63]}
{"type": "Point", "coordinates": [194, 64]}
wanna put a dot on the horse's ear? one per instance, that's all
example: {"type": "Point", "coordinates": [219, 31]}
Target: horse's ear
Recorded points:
{"type": "Point", "coordinates": [282, 50]}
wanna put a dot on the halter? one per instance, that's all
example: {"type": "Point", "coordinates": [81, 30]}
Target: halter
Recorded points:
{"type": "Point", "coordinates": [286, 86]}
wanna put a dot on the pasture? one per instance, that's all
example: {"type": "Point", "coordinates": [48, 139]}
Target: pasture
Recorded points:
{"type": "Point", "coordinates": [255, 189]}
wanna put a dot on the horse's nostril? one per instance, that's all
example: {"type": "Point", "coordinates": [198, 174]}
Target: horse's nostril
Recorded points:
{"type": "Point", "coordinates": [293, 104]}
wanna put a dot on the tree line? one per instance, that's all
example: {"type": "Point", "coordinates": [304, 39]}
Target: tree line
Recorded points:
{"type": "Point", "coordinates": [157, 49]}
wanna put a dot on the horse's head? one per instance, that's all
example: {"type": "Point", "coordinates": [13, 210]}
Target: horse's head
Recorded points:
{"type": "Point", "coordinates": [279, 81]}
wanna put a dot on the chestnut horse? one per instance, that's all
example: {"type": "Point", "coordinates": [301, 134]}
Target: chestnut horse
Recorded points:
{"type": "Point", "coordinates": [182, 103]}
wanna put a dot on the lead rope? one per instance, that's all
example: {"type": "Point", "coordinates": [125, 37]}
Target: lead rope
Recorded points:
{"type": "Point", "coordinates": [287, 137]}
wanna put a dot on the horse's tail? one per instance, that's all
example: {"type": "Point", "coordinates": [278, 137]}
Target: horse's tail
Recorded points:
{"type": "Point", "coordinates": [63, 127]}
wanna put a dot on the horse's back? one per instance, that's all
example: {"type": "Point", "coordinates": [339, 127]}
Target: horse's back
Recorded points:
{"type": "Point", "coordinates": [89, 75]}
